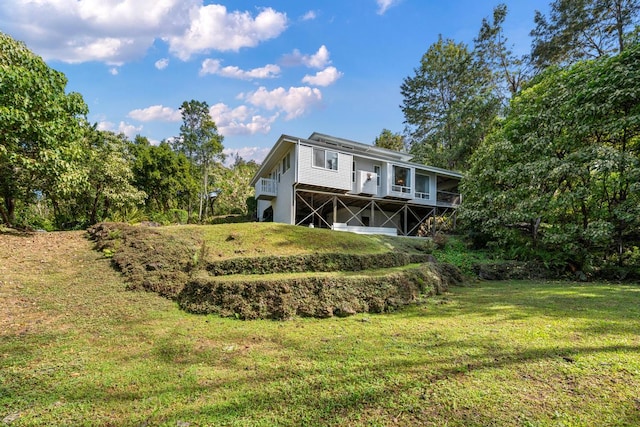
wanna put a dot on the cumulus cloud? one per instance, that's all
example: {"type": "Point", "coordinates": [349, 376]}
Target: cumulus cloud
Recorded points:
{"type": "Point", "coordinates": [213, 28]}
{"type": "Point", "coordinates": [128, 129]}
{"type": "Point", "coordinates": [294, 102]}
{"type": "Point", "coordinates": [384, 5]}
{"type": "Point", "coordinates": [318, 60]}
{"type": "Point", "coordinates": [213, 66]}
{"type": "Point", "coordinates": [158, 113]}
{"type": "Point", "coordinates": [113, 71]}
{"type": "Point", "coordinates": [118, 31]}
{"type": "Point", "coordinates": [240, 120]}
{"type": "Point", "coordinates": [161, 64]}
{"type": "Point", "coordinates": [326, 77]}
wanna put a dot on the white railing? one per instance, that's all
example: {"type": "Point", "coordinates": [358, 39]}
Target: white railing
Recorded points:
{"type": "Point", "coordinates": [401, 189]}
{"type": "Point", "coordinates": [420, 195]}
{"type": "Point", "coordinates": [266, 187]}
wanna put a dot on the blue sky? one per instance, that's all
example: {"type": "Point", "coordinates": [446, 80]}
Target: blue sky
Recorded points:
{"type": "Point", "coordinates": [264, 67]}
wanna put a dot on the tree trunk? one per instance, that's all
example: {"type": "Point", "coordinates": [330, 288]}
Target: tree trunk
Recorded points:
{"type": "Point", "coordinates": [5, 216]}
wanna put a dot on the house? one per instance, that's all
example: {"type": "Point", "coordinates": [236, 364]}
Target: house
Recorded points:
{"type": "Point", "coordinates": [330, 182]}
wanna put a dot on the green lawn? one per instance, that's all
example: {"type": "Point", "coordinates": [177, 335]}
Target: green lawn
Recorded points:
{"type": "Point", "coordinates": [77, 349]}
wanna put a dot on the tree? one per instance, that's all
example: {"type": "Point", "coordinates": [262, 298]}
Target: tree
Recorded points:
{"type": "Point", "coordinates": [200, 141]}
{"type": "Point", "coordinates": [509, 71]}
{"type": "Point", "coordinates": [560, 178]}
{"type": "Point", "coordinates": [390, 140]}
{"type": "Point", "coordinates": [448, 105]}
{"type": "Point", "coordinates": [164, 175]}
{"type": "Point", "coordinates": [40, 141]}
{"type": "Point", "coordinates": [582, 29]}
{"type": "Point", "coordinates": [233, 183]}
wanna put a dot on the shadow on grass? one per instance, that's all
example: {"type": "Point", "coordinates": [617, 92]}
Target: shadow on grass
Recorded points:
{"type": "Point", "coordinates": [515, 300]}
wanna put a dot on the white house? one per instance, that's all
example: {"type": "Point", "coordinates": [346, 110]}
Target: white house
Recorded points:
{"type": "Point", "coordinates": [330, 182]}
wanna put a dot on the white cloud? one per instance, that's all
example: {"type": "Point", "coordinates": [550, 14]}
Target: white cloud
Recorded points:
{"type": "Point", "coordinates": [213, 28]}
{"type": "Point", "coordinates": [156, 113]}
{"type": "Point", "coordinates": [256, 154]}
{"type": "Point", "coordinates": [294, 102]}
{"type": "Point", "coordinates": [161, 64]}
{"type": "Point", "coordinates": [318, 60]}
{"type": "Point", "coordinates": [213, 66]}
{"type": "Point", "coordinates": [326, 77]}
{"type": "Point", "coordinates": [384, 5]}
{"type": "Point", "coordinates": [113, 71]}
{"type": "Point", "coordinates": [126, 128]}
{"type": "Point", "coordinates": [240, 120]}
{"type": "Point", "coordinates": [309, 16]}
{"type": "Point", "coordinates": [118, 31]}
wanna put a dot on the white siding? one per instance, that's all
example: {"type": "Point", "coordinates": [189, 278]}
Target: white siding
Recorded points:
{"type": "Point", "coordinates": [283, 204]}
{"type": "Point", "coordinates": [338, 179]}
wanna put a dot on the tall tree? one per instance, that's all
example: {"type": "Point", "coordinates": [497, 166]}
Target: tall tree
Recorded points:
{"type": "Point", "coordinates": [582, 29]}
{"type": "Point", "coordinates": [390, 140]}
{"type": "Point", "coordinates": [491, 46]}
{"type": "Point", "coordinates": [200, 141]}
{"type": "Point", "coordinates": [41, 124]}
{"type": "Point", "coordinates": [448, 105]}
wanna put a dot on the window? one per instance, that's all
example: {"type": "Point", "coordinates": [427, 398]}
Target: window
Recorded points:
{"type": "Point", "coordinates": [401, 177]}
{"type": "Point", "coordinates": [422, 186]}
{"type": "Point", "coordinates": [286, 163]}
{"type": "Point", "coordinates": [325, 159]}
{"type": "Point", "coordinates": [376, 169]}
{"type": "Point", "coordinates": [353, 172]}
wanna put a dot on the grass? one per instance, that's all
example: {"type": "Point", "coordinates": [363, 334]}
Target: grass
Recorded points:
{"type": "Point", "coordinates": [77, 349]}
{"type": "Point", "coordinates": [226, 241]}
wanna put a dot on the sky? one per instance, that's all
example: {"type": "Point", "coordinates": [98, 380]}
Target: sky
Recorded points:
{"type": "Point", "coordinates": [265, 68]}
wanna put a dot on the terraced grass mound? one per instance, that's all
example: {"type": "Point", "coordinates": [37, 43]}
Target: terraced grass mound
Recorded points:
{"type": "Point", "coordinates": [274, 274]}
{"type": "Point", "coordinates": [319, 295]}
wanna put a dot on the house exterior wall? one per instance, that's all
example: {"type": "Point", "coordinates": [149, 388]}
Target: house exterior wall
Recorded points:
{"type": "Point", "coordinates": [283, 204]}
{"type": "Point", "coordinates": [366, 164]}
{"type": "Point", "coordinates": [339, 179]}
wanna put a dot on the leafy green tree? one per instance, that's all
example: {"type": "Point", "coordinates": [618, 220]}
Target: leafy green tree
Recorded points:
{"type": "Point", "coordinates": [234, 185]}
{"type": "Point", "coordinates": [448, 105]}
{"type": "Point", "coordinates": [390, 140]}
{"type": "Point", "coordinates": [40, 142]}
{"type": "Point", "coordinates": [561, 176]}
{"type": "Point", "coordinates": [164, 175]}
{"type": "Point", "coordinates": [200, 141]}
{"type": "Point", "coordinates": [582, 29]}
{"type": "Point", "coordinates": [107, 189]}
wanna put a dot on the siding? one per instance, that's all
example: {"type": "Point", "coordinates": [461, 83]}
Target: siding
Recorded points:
{"type": "Point", "coordinates": [283, 204]}
{"type": "Point", "coordinates": [338, 179]}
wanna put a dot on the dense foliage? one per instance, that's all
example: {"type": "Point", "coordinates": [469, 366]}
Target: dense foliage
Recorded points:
{"type": "Point", "coordinates": [59, 172]}
{"type": "Point", "coordinates": [41, 138]}
{"type": "Point", "coordinates": [561, 174]}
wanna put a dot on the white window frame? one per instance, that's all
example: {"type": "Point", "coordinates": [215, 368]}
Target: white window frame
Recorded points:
{"type": "Point", "coordinates": [326, 162]}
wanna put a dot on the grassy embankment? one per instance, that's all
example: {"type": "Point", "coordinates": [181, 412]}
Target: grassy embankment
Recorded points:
{"type": "Point", "coordinates": [77, 349]}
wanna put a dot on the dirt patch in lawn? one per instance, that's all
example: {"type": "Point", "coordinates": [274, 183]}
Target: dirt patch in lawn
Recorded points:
{"type": "Point", "coordinates": [27, 262]}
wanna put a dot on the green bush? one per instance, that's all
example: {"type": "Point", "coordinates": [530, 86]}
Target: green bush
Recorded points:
{"type": "Point", "coordinates": [178, 216]}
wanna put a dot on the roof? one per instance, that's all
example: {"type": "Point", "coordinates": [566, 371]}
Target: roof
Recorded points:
{"type": "Point", "coordinates": [344, 145]}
